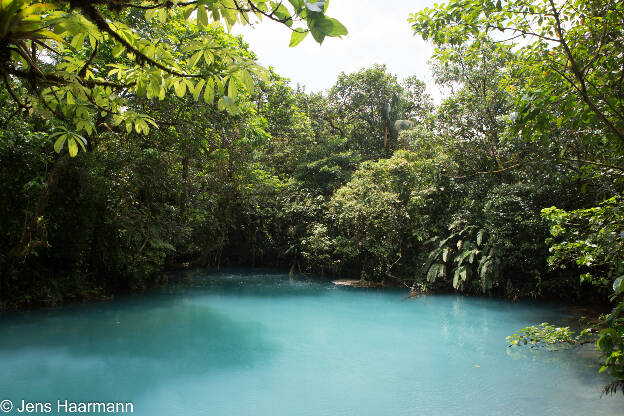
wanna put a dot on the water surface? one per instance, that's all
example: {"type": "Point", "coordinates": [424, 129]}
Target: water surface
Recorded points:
{"type": "Point", "coordinates": [243, 343]}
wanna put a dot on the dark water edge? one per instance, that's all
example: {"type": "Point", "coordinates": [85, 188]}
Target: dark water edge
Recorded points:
{"type": "Point", "coordinates": [173, 280]}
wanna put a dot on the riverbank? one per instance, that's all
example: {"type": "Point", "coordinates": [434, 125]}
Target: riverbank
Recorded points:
{"type": "Point", "coordinates": [83, 289]}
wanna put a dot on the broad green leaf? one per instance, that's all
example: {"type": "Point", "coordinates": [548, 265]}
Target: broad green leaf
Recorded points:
{"type": "Point", "coordinates": [82, 141]}
{"type": "Point", "coordinates": [197, 90]}
{"type": "Point", "coordinates": [202, 16]}
{"type": "Point", "coordinates": [332, 27]}
{"type": "Point", "coordinates": [297, 4]}
{"type": "Point", "coordinates": [118, 50]}
{"type": "Point", "coordinates": [208, 57]}
{"type": "Point", "coordinates": [188, 11]}
{"type": "Point", "coordinates": [317, 33]}
{"type": "Point", "coordinates": [72, 147]}
{"type": "Point", "coordinates": [283, 14]}
{"type": "Point", "coordinates": [78, 40]}
{"type": "Point", "coordinates": [297, 37]}
{"type": "Point", "coordinates": [209, 91]}
{"type": "Point", "coordinates": [221, 104]}
{"type": "Point", "coordinates": [232, 89]}
{"type": "Point", "coordinates": [180, 88]}
{"type": "Point", "coordinates": [195, 58]}
{"type": "Point", "coordinates": [149, 14]}
{"type": "Point", "coordinates": [245, 78]}
{"type": "Point", "coordinates": [162, 15]}
{"type": "Point", "coordinates": [58, 144]}
{"type": "Point", "coordinates": [228, 104]}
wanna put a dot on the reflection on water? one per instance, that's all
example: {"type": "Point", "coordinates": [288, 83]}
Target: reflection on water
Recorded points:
{"type": "Point", "coordinates": [247, 343]}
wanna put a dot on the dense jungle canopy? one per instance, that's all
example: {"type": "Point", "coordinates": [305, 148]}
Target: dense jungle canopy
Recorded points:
{"type": "Point", "coordinates": [138, 137]}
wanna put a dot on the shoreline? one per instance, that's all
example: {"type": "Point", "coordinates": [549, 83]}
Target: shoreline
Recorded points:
{"type": "Point", "coordinates": [172, 278]}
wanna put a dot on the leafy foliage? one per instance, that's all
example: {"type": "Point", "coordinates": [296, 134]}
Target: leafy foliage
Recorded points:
{"type": "Point", "coordinates": [194, 156]}
{"type": "Point", "coordinates": [548, 335]}
{"type": "Point", "coordinates": [151, 49]}
{"type": "Point", "coordinates": [592, 239]}
{"type": "Point", "coordinates": [567, 57]}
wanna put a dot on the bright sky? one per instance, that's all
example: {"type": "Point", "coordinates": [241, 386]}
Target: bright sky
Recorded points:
{"type": "Point", "coordinates": [378, 33]}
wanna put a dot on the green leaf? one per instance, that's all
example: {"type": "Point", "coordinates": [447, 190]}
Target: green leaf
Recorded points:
{"type": "Point", "coordinates": [196, 57]}
{"type": "Point", "coordinates": [118, 50]}
{"type": "Point", "coordinates": [297, 37]}
{"type": "Point", "coordinates": [221, 104]}
{"type": "Point", "coordinates": [188, 11]}
{"type": "Point", "coordinates": [208, 58]}
{"type": "Point", "coordinates": [58, 144]}
{"type": "Point", "coordinates": [618, 285]}
{"type": "Point", "coordinates": [81, 141]}
{"type": "Point", "coordinates": [332, 27]}
{"type": "Point", "coordinates": [209, 92]}
{"type": "Point", "coordinates": [72, 147]}
{"type": "Point", "coordinates": [263, 7]}
{"type": "Point", "coordinates": [317, 33]}
{"type": "Point", "coordinates": [245, 78]}
{"type": "Point", "coordinates": [141, 88]}
{"type": "Point", "coordinates": [228, 104]}
{"type": "Point", "coordinates": [484, 268]}
{"type": "Point", "coordinates": [180, 88]}
{"type": "Point", "coordinates": [162, 15]}
{"type": "Point", "coordinates": [232, 89]}
{"type": "Point", "coordinates": [198, 88]}
{"type": "Point", "coordinates": [297, 4]}
{"type": "Point", "coordinates": [78, 40]}
{"type": "Point", "coordinates": [149, 14]}
{"type": "Point", "coordinates": [202, 16]}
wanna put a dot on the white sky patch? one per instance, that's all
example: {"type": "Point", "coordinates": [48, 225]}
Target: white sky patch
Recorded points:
{"type": "Point", "coordinates": [378, 34]}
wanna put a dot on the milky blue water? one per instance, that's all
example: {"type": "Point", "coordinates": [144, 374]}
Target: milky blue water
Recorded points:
{"type": "Point", "coordinates": [246, 343]}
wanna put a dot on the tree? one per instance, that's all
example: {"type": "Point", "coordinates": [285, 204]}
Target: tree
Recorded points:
{"type": "Point", "coordinates": [368, 216]}
{"type": "Point", "coordinates": [476, 111]}
{"type": "Point", "coordinates": [88, 93]}
{"type": "Point", "coordinates": [418, 103]}
{"type": "Point", "coordinates": [569, 53]}
{"type": "Point", "coordinates": [591, 241]}
{"type": "Point", "coordinates": [82, 64]}
{"type": "Point", "coordinates": [363, 103]}
{"type": "Point", "coordinates": [288, 126]}
{"type": "Point", "coordinates": [568, 86]}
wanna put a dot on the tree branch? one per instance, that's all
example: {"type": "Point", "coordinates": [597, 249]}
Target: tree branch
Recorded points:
{"type": "Point", "coordinates": [579, 76]}
{"type": "Point", "coordinates": [96, 17]}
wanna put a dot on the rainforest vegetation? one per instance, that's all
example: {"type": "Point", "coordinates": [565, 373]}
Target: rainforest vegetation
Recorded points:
{"type": "Point", "coordinates": [139, 138]}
